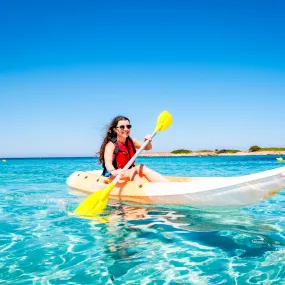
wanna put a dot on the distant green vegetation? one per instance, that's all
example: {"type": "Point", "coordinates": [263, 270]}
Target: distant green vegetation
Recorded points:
{"type": "Point", "coordinates": [181, 151]}
{"type": "Point", "coordinates": [227, 151]}
{"type": "Point", "coordinates": [255, 148]}
{"type": "Point", "coordinates": [272, 149]}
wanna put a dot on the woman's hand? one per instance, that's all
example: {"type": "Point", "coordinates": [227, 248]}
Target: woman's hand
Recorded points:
{"type": "Point", "coordinates": [118, 172]}
{"type": "Point", "coordinates": [148, 138]}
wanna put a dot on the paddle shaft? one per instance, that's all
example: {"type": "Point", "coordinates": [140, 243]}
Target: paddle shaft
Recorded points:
{"type": "Point", "coordinates": [134, 157]}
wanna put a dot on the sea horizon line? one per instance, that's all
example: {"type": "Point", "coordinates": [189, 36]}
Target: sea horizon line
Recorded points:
{"type": "Point", "coordinates": [155, 154]}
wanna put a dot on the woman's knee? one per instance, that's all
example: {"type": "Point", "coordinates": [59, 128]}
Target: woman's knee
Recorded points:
{"type": "Point", "coordinates": [133, 174]}
{"type": "Point", "coordinates": [140, 169]}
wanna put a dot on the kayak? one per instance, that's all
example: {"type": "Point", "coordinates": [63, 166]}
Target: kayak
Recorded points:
{"type": "Point", "coordinates": [195, 191]}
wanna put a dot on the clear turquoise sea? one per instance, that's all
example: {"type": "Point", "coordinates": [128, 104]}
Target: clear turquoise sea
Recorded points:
{"type": "Point", "coordinates": [40, 243]}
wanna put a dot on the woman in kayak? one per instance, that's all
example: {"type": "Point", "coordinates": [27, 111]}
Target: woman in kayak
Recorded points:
{"type": "Point", "coordinates": [118, 148]}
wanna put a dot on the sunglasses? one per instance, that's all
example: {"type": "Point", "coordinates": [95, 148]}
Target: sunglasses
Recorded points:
{"type": "Point", "coordinates": [122, 127]}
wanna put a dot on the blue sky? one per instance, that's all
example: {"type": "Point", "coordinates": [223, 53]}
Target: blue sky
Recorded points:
{"type": "Point", "coordinates": [68, 67]}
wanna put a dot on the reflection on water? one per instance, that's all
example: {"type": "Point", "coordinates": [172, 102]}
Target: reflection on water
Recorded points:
{"type": "Point", "coordinates": [188, 240]}
{"type": "Point", "coordinates": [187, 218]}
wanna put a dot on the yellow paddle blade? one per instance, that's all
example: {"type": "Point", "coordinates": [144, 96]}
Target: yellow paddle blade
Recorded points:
{"type": "Point", "coordinates": [95, 203]}
{"type": "Point", "coordinates": [164, 121]}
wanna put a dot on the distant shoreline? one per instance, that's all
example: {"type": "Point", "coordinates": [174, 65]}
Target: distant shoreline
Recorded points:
{"type": "Point", "coordinates": [212, 153]}
{"type": "Point", "coordinates": [162, 154]}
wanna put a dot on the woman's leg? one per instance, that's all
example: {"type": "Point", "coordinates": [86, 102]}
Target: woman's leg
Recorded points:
{"type": "Point", "coordinates": [133, 175]}
{"type": "Point", "coordinates": [151, 175]}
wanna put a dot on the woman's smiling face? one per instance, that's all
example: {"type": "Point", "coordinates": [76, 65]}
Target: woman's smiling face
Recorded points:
{"type": "Point", "coordinates": [123, 128]}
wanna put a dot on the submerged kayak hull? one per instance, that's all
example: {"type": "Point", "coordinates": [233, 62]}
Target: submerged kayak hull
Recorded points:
{"type": "Point", "coordinates": [198, 191]}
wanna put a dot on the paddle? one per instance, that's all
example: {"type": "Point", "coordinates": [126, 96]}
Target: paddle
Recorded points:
{"type": "Point", "coordinates": [96, 202]}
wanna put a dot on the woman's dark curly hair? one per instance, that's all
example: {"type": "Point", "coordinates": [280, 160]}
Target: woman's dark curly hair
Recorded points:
{"type": "Point", "coordinates": [110, 135]}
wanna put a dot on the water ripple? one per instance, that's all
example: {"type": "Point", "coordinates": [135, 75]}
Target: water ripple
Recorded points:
{"type": "Point", "coordinates": [40, 243]}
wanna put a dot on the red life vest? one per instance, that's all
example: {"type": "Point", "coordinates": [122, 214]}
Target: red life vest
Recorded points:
{"type": "Point", "coordinates": [122, 154]}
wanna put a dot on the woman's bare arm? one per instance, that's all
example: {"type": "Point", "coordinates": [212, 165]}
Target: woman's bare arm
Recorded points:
{"type": "Point", "coordinates": [138, 144]}
{"type": "Point", "coordinates": [108, 156]}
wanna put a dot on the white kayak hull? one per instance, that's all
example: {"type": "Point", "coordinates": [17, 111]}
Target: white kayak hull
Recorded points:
{"type": "Point", "coordinates": [198, 192]}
